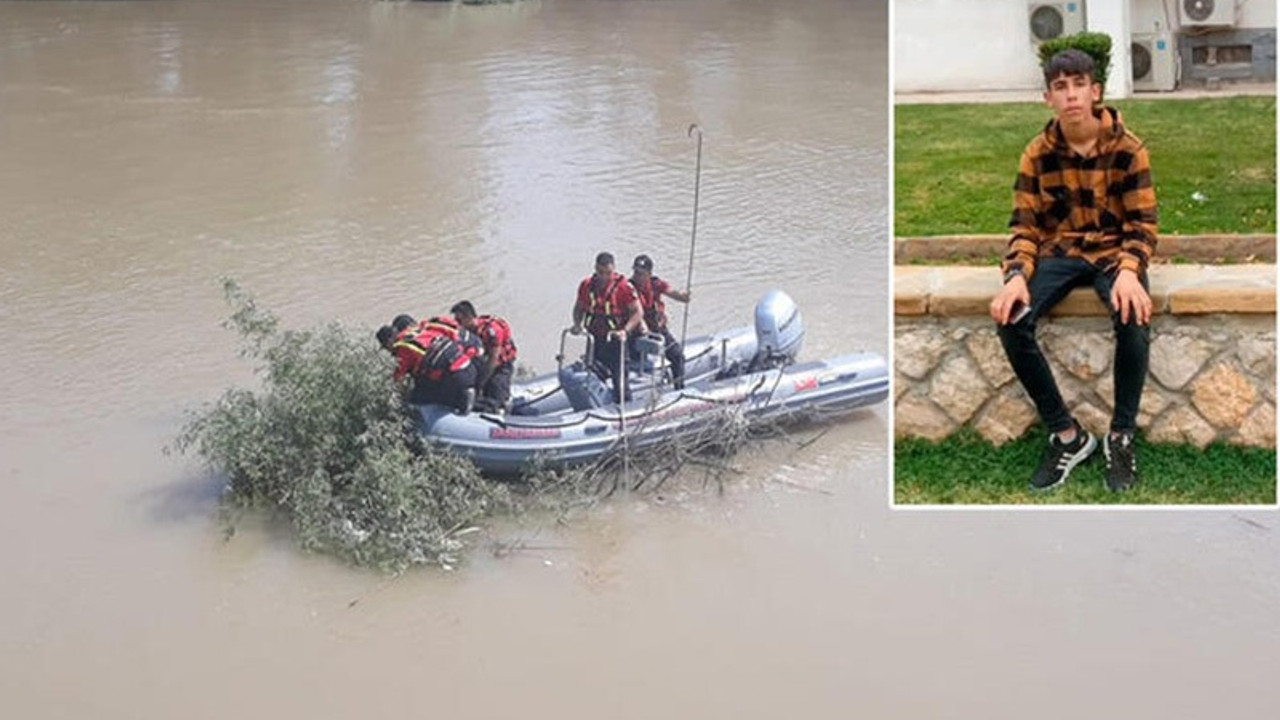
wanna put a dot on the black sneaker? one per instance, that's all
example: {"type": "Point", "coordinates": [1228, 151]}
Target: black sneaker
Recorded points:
{"type": "Point", "coordinates": [1122, 466]}
{"type": "Point", "coordinates": [1061, 458]}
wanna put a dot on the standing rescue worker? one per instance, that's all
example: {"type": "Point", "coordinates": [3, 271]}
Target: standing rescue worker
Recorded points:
{"type": "Point", "coordinates": [608, 307]}
{"type": "Point", "coordinates": [493, 376]}
{"type": "Point", "coordinates": [649, 290]}
{"type": "Point", "coordinates": [433, 354]}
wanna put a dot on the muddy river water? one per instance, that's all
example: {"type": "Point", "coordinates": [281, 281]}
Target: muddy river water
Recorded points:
{"type": "Point", "coordinates": [353, 160]}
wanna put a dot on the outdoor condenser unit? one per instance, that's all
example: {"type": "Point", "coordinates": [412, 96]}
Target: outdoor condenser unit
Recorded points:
{"type": "Point", "coordinates": [1049, 20]}
{"type": "Point", "coordinates": [1199, 13]}
{"type": "Point", "coordinates": [1155, 65]}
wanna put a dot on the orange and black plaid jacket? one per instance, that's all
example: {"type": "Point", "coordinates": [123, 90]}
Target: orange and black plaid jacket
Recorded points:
{"type": "Point", "coordinates": [1101, 208]}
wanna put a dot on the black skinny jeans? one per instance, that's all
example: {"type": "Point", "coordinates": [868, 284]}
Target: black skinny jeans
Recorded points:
{"type": "Point", "coordinates": [1054, 278]}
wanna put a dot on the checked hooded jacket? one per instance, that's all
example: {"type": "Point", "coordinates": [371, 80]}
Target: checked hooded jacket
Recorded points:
{"type": "Point", "coordinates": [1101, 208]}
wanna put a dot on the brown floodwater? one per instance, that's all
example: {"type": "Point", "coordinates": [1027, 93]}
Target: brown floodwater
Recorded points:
{"type": "Point", "coordinates": [354, 160]}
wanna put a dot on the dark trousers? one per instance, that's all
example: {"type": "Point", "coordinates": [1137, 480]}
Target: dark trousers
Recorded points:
{"type": "Point", "coordinates": [675, 356]}
{"type": "Point", "coordinates": [608, 353]}
{"type": "Point", "coordinates": [450, 390]}
{"type": "Point", "coordinates": [1054, 278]}
{"type": "Point", "coordinates": [495, 391]}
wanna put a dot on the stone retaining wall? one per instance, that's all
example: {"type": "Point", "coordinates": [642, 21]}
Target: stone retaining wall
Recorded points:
{"type": "Point", "coordinates": [1212, 374]}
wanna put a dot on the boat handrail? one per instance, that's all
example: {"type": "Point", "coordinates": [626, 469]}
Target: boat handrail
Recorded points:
{"type": "Point", "coordinates": [588, 355]}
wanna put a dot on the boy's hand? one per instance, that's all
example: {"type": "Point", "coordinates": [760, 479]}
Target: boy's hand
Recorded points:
{"type": "Point", "coordinates": [1010, 297]}
{"type": "Point", "coordinates": [1128, 296]}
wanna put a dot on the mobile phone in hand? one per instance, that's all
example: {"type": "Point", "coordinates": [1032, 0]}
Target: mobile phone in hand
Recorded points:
{"type": "Point", "coordinates": [1019, 311]}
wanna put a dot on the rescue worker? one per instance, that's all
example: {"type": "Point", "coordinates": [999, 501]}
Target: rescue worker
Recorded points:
{"type": "Point", "coordinates": [608, 307]}
{"type": "Point", "coordinates": [493, 376]}
{"type": "Point", "coordinates": [434, 355]}
{"type": "Point", "coordinates": [649, 290]}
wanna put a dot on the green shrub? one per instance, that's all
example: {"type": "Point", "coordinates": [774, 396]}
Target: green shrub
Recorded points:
{"type": "Point", "coordinates": [327, 444]}
{"type": "Point", "coordinates": [1097, 45]}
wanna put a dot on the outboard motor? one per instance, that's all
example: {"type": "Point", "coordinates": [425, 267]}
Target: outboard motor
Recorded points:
{"type": "Point", "coordinates": [779, 331]}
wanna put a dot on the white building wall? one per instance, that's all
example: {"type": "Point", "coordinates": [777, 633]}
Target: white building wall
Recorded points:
{"type": "Point", "coordinates": [1112, 17]}
{"type": "Point", "coordinates": [1151, 16]}
{"type": "Point", "coordinates": [1257, 14]}
{"type": "Point", "coordinates": [958, 45]}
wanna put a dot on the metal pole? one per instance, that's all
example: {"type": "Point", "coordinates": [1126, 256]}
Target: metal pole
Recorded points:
{"type": "Point", "coordinates": [693, 236]}
{"type": "Point", "coordinates": [622, 411]}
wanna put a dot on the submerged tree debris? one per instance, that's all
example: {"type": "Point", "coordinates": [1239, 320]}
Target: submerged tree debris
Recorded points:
{"type": "Point", "coordinates": [327, 445]}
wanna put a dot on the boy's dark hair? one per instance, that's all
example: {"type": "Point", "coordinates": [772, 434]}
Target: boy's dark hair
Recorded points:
{"type": "Point", "coordinates": [401, 322]}
{"type": "Point", "coordinates": [1069, 62]}
{"type": "Point", "coordinates": [464, 308]}
{"type": "Point", "coordinates": [604, 258]}
{"type": "Point", "coordinates": [386, 335]}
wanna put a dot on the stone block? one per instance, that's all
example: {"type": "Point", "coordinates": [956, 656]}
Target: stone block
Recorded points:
{"type": "Point", "coordinates": [1085, 355]}
{"type": "Point", "coordinates": [1182, 425]}
{"type": "Point", "coordinates": [1223, 396]}
{"type": "Point", "coordinates": [1082, 302]}
{"type": "Point", "coordinates": [1007, 417]}
{"type": "Point", "coordinates": [915, 416]}
{"type": "Point", "coordinates": [901, 384]}
{"type": "Point", "coordinates": [1259, 428]}
{"type": "Point", "coordinates": [959, 388]}
{"type": "Point", "coordinates": [917, 350]}
{"type": "Point", "coordinates": [985, 348]}
{"type": "Point", "coordinates": [1201, 289]}
{"type": "Point", "coordinates": [1204, 301]}
{"type": "Point", "coordinates": [1258, 355]}
{"type": "Point", "coordinates": [911, 290]}
{"type": "Point", "coordinates": [1176, 358]}
{"type": "Point", "coordinates": [1091, 418]}
{"type": "Point", "coordinates": [1153, 403]}
{"type": "Point", "coordinates": [964, 291]}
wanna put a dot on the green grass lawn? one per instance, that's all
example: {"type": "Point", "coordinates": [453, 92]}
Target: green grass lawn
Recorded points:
{"type": "Point", "coordinates": [967, 470]}
{"type": "Point", "coordinates": [954, 165]}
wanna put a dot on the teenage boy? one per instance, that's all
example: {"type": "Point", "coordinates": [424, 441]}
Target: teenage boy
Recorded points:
{"type": "Point", "coordinates": [1084, 215]}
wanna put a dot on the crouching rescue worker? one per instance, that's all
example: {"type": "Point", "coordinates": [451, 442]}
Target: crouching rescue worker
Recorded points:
{"type": "Point", "coordinates": [649, 290]}
{"type": "Point", "coordinates": [433, 353]}
{"type": "Point", "coordinates": [608, 306]}
{"type": "Point", "coordinates": [493, 376]}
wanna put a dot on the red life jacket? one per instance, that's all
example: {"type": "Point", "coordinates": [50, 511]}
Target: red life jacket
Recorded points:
{"type": "Point", "coordinates": [655, 311]}
{"type": "Point", "coordinates": [603, 314]}
{"type": "Point", "coordinates": [408, 352]}
{"type": "Point", "coordinates": [442, 346]}
{"type": "Point", "coordinates": [495, 333]}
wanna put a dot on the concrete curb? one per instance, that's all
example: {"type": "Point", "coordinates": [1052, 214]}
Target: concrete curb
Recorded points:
{"type": "Point", "coordinates": [1212, 249]}
{"type": "Point", "coordinates": [952, 291]}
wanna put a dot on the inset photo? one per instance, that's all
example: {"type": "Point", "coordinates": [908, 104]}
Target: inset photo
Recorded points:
{"type": "Point", "coordinates": [1084, 257]}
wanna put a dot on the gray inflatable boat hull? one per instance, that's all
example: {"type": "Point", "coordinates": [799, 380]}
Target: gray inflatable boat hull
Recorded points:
{"type": "Point", "coordinates": [559, 435]}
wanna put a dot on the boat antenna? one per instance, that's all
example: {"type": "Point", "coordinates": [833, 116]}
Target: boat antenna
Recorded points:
{"type": "Point", "coordinates": [693, 236]}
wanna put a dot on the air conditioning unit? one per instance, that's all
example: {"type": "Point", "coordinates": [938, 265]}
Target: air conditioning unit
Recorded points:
{"type": "Point", "coordinates": [1049, 20]}
{"type": "Point", "coordinates": [1199, 13]}
{"type": "Point", "coordinates": [1155, 65]}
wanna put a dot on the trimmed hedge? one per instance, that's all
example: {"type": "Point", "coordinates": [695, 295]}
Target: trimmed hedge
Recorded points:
{"type": "Point", "coordinates": [1097, 45]}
